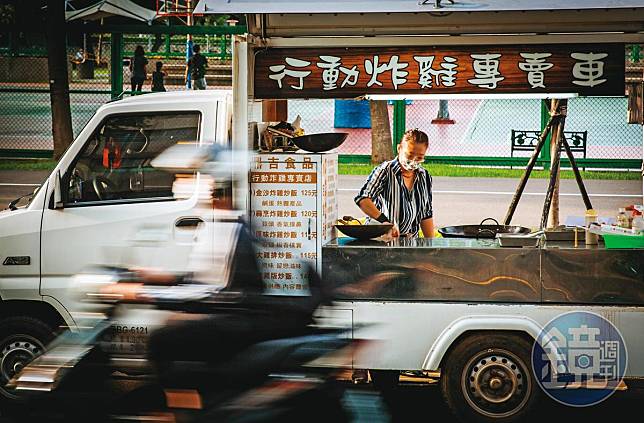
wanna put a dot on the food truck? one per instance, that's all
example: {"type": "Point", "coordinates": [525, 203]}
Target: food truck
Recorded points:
{"type": "Point", "coordinates": [467, 309]}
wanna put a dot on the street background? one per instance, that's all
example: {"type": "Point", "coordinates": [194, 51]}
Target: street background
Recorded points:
{"type": "Point", "coordinates": [456, 200]}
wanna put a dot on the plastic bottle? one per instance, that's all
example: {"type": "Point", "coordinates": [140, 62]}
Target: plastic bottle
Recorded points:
{"type": "Point", "coordinates": [622, 219]}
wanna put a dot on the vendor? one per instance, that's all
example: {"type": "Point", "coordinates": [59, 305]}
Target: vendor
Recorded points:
{"type": "Point", "coordinates": [400, 191]}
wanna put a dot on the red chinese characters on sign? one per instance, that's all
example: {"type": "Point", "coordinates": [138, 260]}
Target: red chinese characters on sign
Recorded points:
{"type": "Point", "coordinates": [587, 69]}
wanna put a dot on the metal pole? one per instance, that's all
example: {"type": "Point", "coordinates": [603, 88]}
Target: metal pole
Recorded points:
{"type": "Point", "coordinates": [545, 153]}
{"type": "Point", "coordinates": [533, 160]}
{"type": "Point", "coordinates": [116, 64]}
{"type": "Point", "coordinates": [399, 124]}
{"type": "Point", "coordinates": [189, 43]}
{"type": "Point", "coordinates": [575, 169]}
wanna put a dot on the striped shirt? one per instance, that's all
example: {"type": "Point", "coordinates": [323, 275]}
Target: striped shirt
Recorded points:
{"type": "Point", "coordinates": [406, 208]}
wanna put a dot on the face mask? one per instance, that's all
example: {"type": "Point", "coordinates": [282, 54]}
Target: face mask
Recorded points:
{"type": "Point", "coordinates": [408, 164]}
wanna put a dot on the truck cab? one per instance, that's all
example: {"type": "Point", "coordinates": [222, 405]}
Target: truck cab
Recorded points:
{"type": "Point", "coordinates": [103, 195]}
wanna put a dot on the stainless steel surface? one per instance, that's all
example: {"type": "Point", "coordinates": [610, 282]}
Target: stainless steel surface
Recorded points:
{"type": "Point", "coordinates": [433, 270]}
{"type": "Point", "coordinates": [592, 275]}
{"type": "Point", "coordinates": [482, 271]}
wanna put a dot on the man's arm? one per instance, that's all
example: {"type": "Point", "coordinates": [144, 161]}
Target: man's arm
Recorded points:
{"type": "Point", "coordinates": [427, 225]}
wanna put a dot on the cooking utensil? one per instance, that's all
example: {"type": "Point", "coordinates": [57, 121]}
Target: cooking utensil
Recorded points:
{"type": "Point", "coordinates": [365, 231]}
{"type": "Point", "coordinates": [481, 230]}
{"type": "Point", "coordinates": [512, 240]}
{"type": "Point", "coordinates": [560, 234]}
{"type": "Point", "coordinates": [318, 143]}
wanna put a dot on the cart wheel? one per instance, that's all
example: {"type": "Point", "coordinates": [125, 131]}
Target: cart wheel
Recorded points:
{"type": "Point", "coordinates": [488, 378]}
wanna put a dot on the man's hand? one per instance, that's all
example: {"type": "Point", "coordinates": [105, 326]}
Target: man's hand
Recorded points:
{"type": "Point", "coordinates": [394, 232]}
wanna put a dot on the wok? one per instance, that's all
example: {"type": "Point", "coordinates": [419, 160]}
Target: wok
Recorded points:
{"type": "Point", "coordinates": [481, 230]}
{"type": "Point", "coordinates": [365, 231]}
{"type": "Point", "coordinates": [317, 143]}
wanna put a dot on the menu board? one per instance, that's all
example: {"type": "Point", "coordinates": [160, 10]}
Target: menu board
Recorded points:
{"type": "Point", "coordinates": [291, 217]}
{"type": "Point", "coordinates": [330, 202]}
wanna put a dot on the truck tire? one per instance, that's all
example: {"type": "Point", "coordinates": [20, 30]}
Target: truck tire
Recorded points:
{"type": "Point", "coordinates": [489, 378]}
{"type": "Point", "coordinates": [22, 338]}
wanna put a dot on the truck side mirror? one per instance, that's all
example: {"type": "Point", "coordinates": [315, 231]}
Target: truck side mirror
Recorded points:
{"type": "Point", "coordinates": [58, 195]}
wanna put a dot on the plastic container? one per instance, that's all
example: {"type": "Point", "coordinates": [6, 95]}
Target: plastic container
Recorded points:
{"type": "Point", "coordinates": [590, 217]}
{"type": "Point", "coordinates": [623, 241]}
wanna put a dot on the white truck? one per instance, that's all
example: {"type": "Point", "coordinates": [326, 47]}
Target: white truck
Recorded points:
{"type": "Point", "coordinates": [102, 193]}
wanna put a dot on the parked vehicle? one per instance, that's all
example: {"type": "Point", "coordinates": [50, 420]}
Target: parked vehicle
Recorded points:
{"type": "Point", "coordinates": [102, 193]}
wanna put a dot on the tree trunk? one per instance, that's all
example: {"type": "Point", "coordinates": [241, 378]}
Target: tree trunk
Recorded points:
{"type": "Point", "coordinates": [381, 145]}
{"type": "Point", "coordinates": [553, 215]}
{"type": "Point", "coordinates": [58, 82]}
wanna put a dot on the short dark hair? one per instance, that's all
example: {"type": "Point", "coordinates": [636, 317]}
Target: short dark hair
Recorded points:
{"type": "Point", "coordinates": [138, 51]}
{"type": "Point", "coordinates": [196, 48]}
{"type": "Point", "coordinates": [159, 65]}
{"type": "Point", "coordinates": [416, 135]}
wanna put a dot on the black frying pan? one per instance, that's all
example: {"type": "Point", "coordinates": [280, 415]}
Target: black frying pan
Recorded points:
{"type": "Point", "coordinates": [365, 231]}
{"type": "Point", "coordinates": [317, 143]}
{"type": "Point", "coordinates": [481, 231]}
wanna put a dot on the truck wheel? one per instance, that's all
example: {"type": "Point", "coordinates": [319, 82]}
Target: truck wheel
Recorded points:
{"type": "Point", "coordinates": [22, 339]}
{"type": "Point", "coordinates": [488, 378]}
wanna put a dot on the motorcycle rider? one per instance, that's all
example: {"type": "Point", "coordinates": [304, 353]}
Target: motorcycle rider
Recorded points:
{"type": "Point", "coordinates": [224, 258]}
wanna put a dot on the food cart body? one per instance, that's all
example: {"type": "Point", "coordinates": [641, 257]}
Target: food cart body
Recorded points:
{"type": "Point", "coordinates": [451, 293]}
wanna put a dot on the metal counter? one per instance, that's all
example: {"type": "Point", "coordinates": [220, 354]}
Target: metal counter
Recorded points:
{"type": "Point", "coordinates": [480, 270]}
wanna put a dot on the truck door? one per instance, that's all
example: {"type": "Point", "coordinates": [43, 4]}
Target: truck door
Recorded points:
{"type": "Point", "coordinates": [117, 208]}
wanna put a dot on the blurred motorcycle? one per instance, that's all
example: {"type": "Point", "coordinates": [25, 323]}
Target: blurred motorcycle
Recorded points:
{"type": "Point", "coordinates": [267, 362]}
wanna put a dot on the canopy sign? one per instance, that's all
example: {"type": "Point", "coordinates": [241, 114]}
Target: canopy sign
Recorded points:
{"type": "Point", "coordinates": [586, 69]}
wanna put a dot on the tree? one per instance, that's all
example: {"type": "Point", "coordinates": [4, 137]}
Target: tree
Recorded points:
{"type": "Point", "coordinates": [380, 132]}
{"type": "Point", "coordinates": [61, 116]}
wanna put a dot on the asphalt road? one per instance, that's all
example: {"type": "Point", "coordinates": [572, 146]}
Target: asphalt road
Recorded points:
{"type": "Point", "coordinates": [460, 201]}
{"type": "Point", "coordinates": [424, 402]}
{"type": "Point", "coordinates": [13, 184]}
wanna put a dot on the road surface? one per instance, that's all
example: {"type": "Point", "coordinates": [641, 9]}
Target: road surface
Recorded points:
{"type": "Point", "coordinates": [456, 201]}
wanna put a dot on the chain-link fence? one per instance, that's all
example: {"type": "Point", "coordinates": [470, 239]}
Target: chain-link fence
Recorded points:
{"type": "Point", "coordinates": [25, 112]}
{"type": "Point", "coordinates": [483, 128]}
{"type": "Point", "coordinates": [476, 128]}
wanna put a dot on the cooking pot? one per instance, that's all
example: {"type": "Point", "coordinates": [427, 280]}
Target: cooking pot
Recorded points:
{"type": "Point", "coordinates": [481, 230]}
